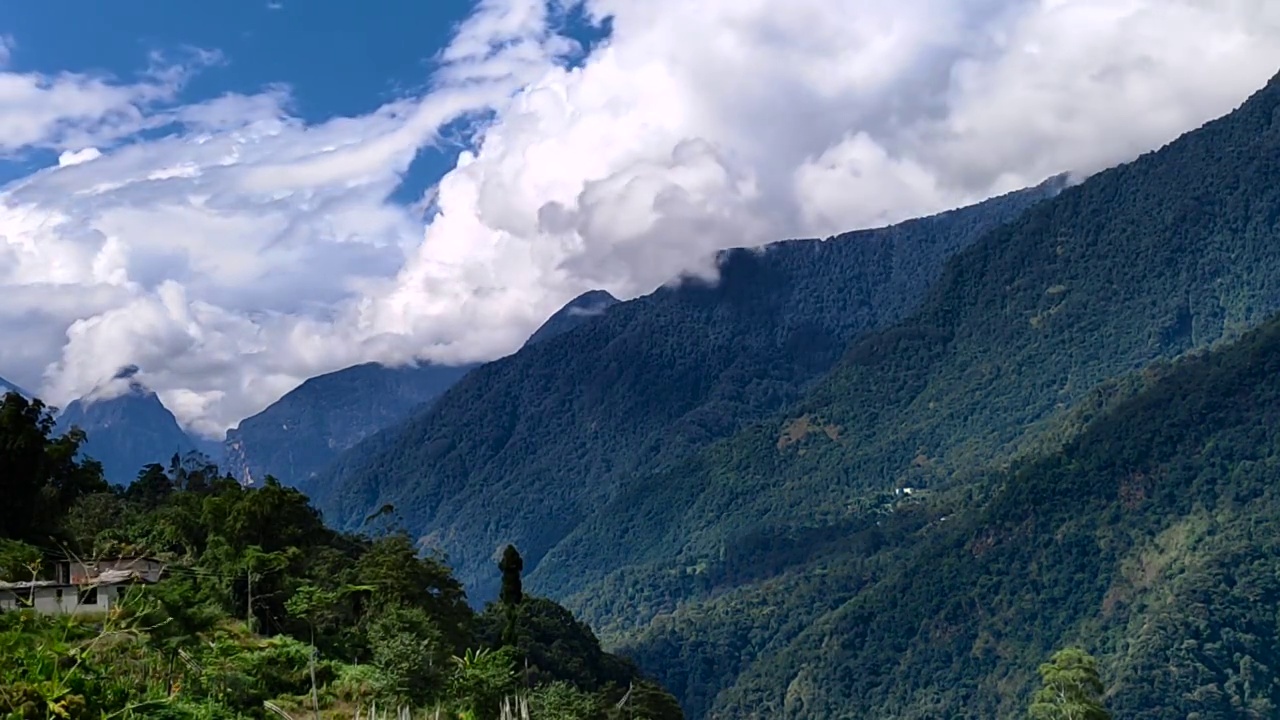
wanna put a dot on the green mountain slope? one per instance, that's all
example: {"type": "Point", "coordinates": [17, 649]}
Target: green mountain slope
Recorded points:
{"type": "Point", "coordinates": [296, 438]}
{"type": "Point", "coordinates": [523, 448]}
{"type": "Point", "coordinates": [1153, 537]}
{"type": "Point", "coordinates": [1016, 347]}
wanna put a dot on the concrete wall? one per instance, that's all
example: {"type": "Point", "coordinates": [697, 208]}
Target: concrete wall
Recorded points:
{"type": "Point", "coordinates": [64, 600]}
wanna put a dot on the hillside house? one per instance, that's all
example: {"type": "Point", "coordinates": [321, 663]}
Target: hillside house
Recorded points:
{"type": "Point", "coordinates": [80, 588]}
{"type": "Point", "coordinates": [77, 572]}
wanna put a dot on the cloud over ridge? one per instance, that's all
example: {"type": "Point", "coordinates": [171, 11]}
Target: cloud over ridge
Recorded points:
{"type": "Point", "coordinates": [242, 250]}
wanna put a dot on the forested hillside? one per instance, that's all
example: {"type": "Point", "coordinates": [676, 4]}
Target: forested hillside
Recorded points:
{"type": "Point", "coordinates": [261, 603]}
{"type": "Point", "coordinates": [297, 436]}
{"type": "Point", "coordinates": [1153, 538]}
{"type": "Point", "coordinates": [771, 545]}
{"type": "Point", "coordinates": [524, 448]}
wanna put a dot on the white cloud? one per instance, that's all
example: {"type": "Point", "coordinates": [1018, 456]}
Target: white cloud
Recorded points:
{"type": "Point", "coordinates": [7, 46]}
{"type": "Point", "coordinates": [246, 250]}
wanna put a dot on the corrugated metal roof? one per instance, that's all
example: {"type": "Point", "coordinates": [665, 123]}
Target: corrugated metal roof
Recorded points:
{"type": "Point", "coordinates": [28, 585]}
{"type": "Point", "coordinates": [107, 577]}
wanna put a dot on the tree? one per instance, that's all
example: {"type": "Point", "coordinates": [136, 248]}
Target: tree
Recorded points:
{"type": "Point", "coordinates": [1070, 688]}
{"type": "Point", "coordinates": [309, 603]}
{"type": "Point", "coordinates": [40, 476]}
{"type": "Point", "coordinates": [512, 593]}
{"type": "Point", "coordinates": [408, 646]}
{"type": "Point", "coordinates": [481, 679]}
{"type": "Point", "coordinates": [511, 566]}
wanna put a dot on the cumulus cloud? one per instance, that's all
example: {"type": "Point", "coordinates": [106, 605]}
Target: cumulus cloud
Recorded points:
{"type": "Point", "coordinates": [242, 250]}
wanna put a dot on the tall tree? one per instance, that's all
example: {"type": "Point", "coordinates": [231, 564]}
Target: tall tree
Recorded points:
{"type": "Point", "coordinates": [1070, 688]}
{"type": "Point", "coordinates": [511, 566]}
{"type": "Point", "coordinates": [40, 476]}
{"type": "Point", "coordinates": [512, 593]}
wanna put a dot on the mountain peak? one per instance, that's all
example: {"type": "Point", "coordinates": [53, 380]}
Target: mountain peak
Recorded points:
{"type": "Point", "coordinates": [127, 426]}
{"type": "Point", "coordinates": [587, 305]}
{"type": "Point", "coordinates": [8, 387]}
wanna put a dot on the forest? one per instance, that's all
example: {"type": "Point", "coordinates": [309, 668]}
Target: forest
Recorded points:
{"type": "Point", "coordinates": [262, 611]}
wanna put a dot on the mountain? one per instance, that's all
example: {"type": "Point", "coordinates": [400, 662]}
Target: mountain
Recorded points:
{"type": "Point", "coordinates": [1152, 536]}
{"type": "Point", "coordinates": [586, 305]}
{"type": "Point", "coordinates": [799, 523]}
{"type": "Point", "coordinates": [8, 387]}
{"type": "Point", "coordinates": [296, 437]}
{"type": "Point", "coordinates": [750, 576]}
{"type": "Point", "coordinates": [127, 431]}
{"type": "Point", "coordinates": [525, 448]}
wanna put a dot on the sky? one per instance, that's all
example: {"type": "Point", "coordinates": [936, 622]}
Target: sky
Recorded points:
{"type": "Point", "coordinates": [237, 196]}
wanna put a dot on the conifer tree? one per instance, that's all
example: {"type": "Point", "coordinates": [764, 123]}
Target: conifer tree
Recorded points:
{"type": "Point", "coordinates": [512, 593]}
{"type": "Point", "coordinates": [511, 566]}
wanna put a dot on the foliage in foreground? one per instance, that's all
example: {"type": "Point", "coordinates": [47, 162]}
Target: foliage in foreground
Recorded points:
{"type": "Point", "coordinates": [264, 604]}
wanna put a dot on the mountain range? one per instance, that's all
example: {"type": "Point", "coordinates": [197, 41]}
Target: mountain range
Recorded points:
{"type": "Point", "coordinates": [296, 437]}
{"type": "Point", "coordinates": [8, 387]}
{"type": "Point", "coordinates": [893, 471]}
{"type": "Point", "coordinates": [292, 439]}
{"type": "Point", "coordinates": [884, 474]}
{"type": "Point", "coordinates": [524, 449]}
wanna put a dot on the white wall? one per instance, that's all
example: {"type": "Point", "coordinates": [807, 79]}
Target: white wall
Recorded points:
{"type": "Point", "coordinates": [47, 600]}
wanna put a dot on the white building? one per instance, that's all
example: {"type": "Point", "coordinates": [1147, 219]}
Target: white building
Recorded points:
{"type": "Point", "coordinates": [81, 588]}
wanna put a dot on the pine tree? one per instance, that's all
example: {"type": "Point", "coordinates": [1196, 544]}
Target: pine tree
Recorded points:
{"type": "Point", "coordinates": [512, 593]}
{"type": "Point", "coordinates": [511, 566]}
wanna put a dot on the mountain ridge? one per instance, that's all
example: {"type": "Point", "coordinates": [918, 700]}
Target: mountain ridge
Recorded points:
{"type": "Point", "coordinates": [295, 438]}
{"type": "Point", "coordinates": [1177, 251]}
{"type": "Point", "coordinates": [127, 428]}
{"type": "Point", "coordinates": [653, 378]}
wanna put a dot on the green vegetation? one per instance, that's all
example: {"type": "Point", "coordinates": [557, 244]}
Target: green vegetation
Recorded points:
{"type": "Point", "coordinates": [1077, 404]}
{"type": "Point", "coordinates": [811, 491]}
{"type": "Point", "coordinates": [1071, 688]}
{"type": "Point", "coordinates": [295, 437]}
{"type": "Point", "coordinates": [525, 448]}
{"type": "Point", "coordinates": [263, 604]}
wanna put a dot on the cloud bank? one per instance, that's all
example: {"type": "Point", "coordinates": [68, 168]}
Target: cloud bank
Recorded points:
{"type": "Point", "coordinates": [230, 250]}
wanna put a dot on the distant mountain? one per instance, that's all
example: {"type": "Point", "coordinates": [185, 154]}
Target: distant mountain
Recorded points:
{"type": "Point", "coordinates": [127, 431]}
{"type": "Point", "coordinates": [587, 305]}
{"type": "Point", "coordinates": [297, 436]}
{"type": "Point", "coordinates": [8, 387]}
{"type": "Point", "coordinates": [524, 448]}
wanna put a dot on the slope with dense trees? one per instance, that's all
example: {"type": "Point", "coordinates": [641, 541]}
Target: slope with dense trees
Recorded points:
{"type": "Point", "coordinates": [1153, 537]}
{"type": "Point", "coordinates": [262, 603]}
{"type": "Point", "coordinates": [524, 448]}
{"type": "Point", "coordinates": [296, 438]}
{"type": "Point", "coordinates": [744, 550]}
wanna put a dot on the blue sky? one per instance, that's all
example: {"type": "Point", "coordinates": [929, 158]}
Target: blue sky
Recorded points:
{"type": "Point", "coordinates": [338, 58]}
{"type": "Point", "coordinates": [233, 227]}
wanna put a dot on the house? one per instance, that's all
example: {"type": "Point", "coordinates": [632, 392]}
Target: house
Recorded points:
{"type": "Point", "coordinates": [78, 572]}
{"type": "Point", "coordinates": [81, 588]}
